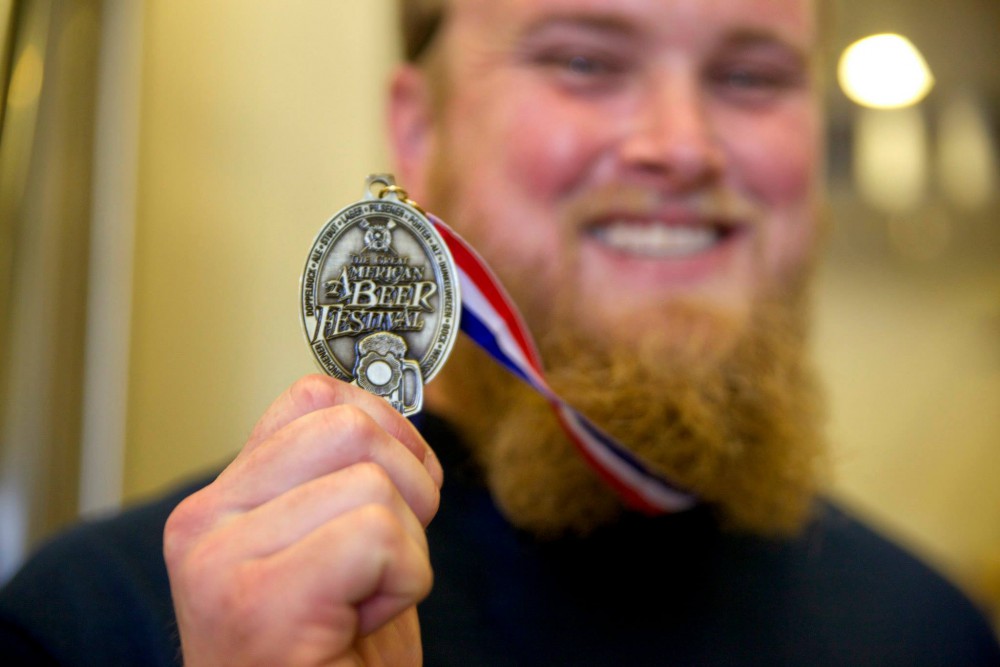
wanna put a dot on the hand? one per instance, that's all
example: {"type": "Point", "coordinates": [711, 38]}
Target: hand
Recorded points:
{"type": "Point", "coordinates": [309, 549]}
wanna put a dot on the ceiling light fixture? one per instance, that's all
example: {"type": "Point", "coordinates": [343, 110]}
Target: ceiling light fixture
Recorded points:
{"type": "Point", "coordinates": [884, 72]}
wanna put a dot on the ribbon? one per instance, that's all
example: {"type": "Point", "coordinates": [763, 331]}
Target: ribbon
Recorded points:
{"type": "Point", "coordinates": [492, 321]}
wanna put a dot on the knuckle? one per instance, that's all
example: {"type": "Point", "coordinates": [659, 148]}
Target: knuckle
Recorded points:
{"type": "Point", "coordinates": [182, 527]}
{"type": "Point", "coordinates": [352, 423]}
{"type": "Point", "coordinates": [377, 482]}
{"type": "Point", "coordinates": [315, 391]}
{"type": "Point", "coordinates": [384, 527]}
{"type": "Point", "coordinates": [423, 580]}
{"type": "Point", "coordinates": [389, 537]}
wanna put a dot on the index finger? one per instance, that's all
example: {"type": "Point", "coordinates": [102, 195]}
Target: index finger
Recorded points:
{"type": "Point", "coordinates": [316, 392]}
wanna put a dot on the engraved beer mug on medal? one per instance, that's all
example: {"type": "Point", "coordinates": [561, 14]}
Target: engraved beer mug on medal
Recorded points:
{"type": "Point", "coordinates": [380, 297]}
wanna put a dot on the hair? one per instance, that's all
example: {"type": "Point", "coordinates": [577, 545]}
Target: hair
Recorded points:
{"type": "Point", "coordinates": [420, 22]}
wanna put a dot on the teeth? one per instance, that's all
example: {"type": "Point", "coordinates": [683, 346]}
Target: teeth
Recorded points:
{"type": "Point", "coordinates": [657, 240]}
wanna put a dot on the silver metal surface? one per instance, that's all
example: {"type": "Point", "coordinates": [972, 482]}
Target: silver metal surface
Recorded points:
{"type": "Point", "coordinates": [379, 296]}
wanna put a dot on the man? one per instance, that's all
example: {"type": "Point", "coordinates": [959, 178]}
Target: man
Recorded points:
{"type": "Point", "coordinates": [644, 177]}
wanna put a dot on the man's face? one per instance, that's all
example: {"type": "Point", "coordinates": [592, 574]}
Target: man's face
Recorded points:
{"type": "Point", "coordinates": [642, 174]}
{"type": "Point", "coordinates": [612, 157]}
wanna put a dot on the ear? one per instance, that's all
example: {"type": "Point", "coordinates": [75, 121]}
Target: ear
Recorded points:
{"type": "Point", "coordinates": [411, 129]}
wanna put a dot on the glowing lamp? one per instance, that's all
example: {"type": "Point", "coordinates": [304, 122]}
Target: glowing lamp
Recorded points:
{"type": "Point", "coordinates": [884, 72]}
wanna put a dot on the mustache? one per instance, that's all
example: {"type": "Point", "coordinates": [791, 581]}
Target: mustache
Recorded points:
{"type": "Point", "coordinates": [709, 206]}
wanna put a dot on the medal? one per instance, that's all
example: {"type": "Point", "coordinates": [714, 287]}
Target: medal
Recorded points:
{"type": "Point", "coordinates": [380, 298]}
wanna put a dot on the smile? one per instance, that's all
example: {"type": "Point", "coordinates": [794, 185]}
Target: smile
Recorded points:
{"type": "Point", "coordinates": [659, 239]}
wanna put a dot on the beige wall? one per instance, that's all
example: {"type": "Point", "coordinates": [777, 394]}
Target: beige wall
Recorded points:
{"type": "Point", "coordinates": [260, 119]}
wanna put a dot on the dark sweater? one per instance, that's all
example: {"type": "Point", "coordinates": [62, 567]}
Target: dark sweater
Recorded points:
{"type": "Point", "coordinates": [673, 590]}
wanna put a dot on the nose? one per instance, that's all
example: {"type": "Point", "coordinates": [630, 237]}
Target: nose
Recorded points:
{"type": "Point", "coordinates": [670, 136]}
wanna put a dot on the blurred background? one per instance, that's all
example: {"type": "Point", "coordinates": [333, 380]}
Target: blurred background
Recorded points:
{"type": "Point", "coordinates": [165, 164]}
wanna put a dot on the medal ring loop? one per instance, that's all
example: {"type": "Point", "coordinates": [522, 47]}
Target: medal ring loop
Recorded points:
{"type": "Point", "coordinates": [403, 196]}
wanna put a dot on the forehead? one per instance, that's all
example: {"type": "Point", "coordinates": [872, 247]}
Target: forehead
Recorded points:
{"type": "Point", "coordinates": [793, 21]}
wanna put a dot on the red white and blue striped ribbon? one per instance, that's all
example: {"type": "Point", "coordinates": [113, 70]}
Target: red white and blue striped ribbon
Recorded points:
{"type": "Point", "coordinates": [492, 321]}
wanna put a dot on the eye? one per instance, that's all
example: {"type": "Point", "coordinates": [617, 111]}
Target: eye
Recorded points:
{"type": "Point", "coordinates": [754, 84]}
{"type": "Point", "coordinates": [583, 64]}
{"type": "Point", "coordinates": [585, 70]}
{"type": "Point", "coordinates": [742, 78]}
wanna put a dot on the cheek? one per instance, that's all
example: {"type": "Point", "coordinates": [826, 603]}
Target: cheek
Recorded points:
{"type": "Point", "coordinates": [510, 157]}
{"type": "Point", "coordinates": [777, 165]}
{"type": "Point", "coordinates": [777, 161]}
{"type": "Point", "coordinates": [526, 146]}
{"type": "Point", "coordinates": [547, 148]}
{"type": "Point", "coordinates": [518, 157]}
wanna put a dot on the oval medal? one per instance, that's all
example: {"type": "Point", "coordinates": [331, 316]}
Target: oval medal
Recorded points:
{"type": "Point", "coordinates": [380, 296]}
